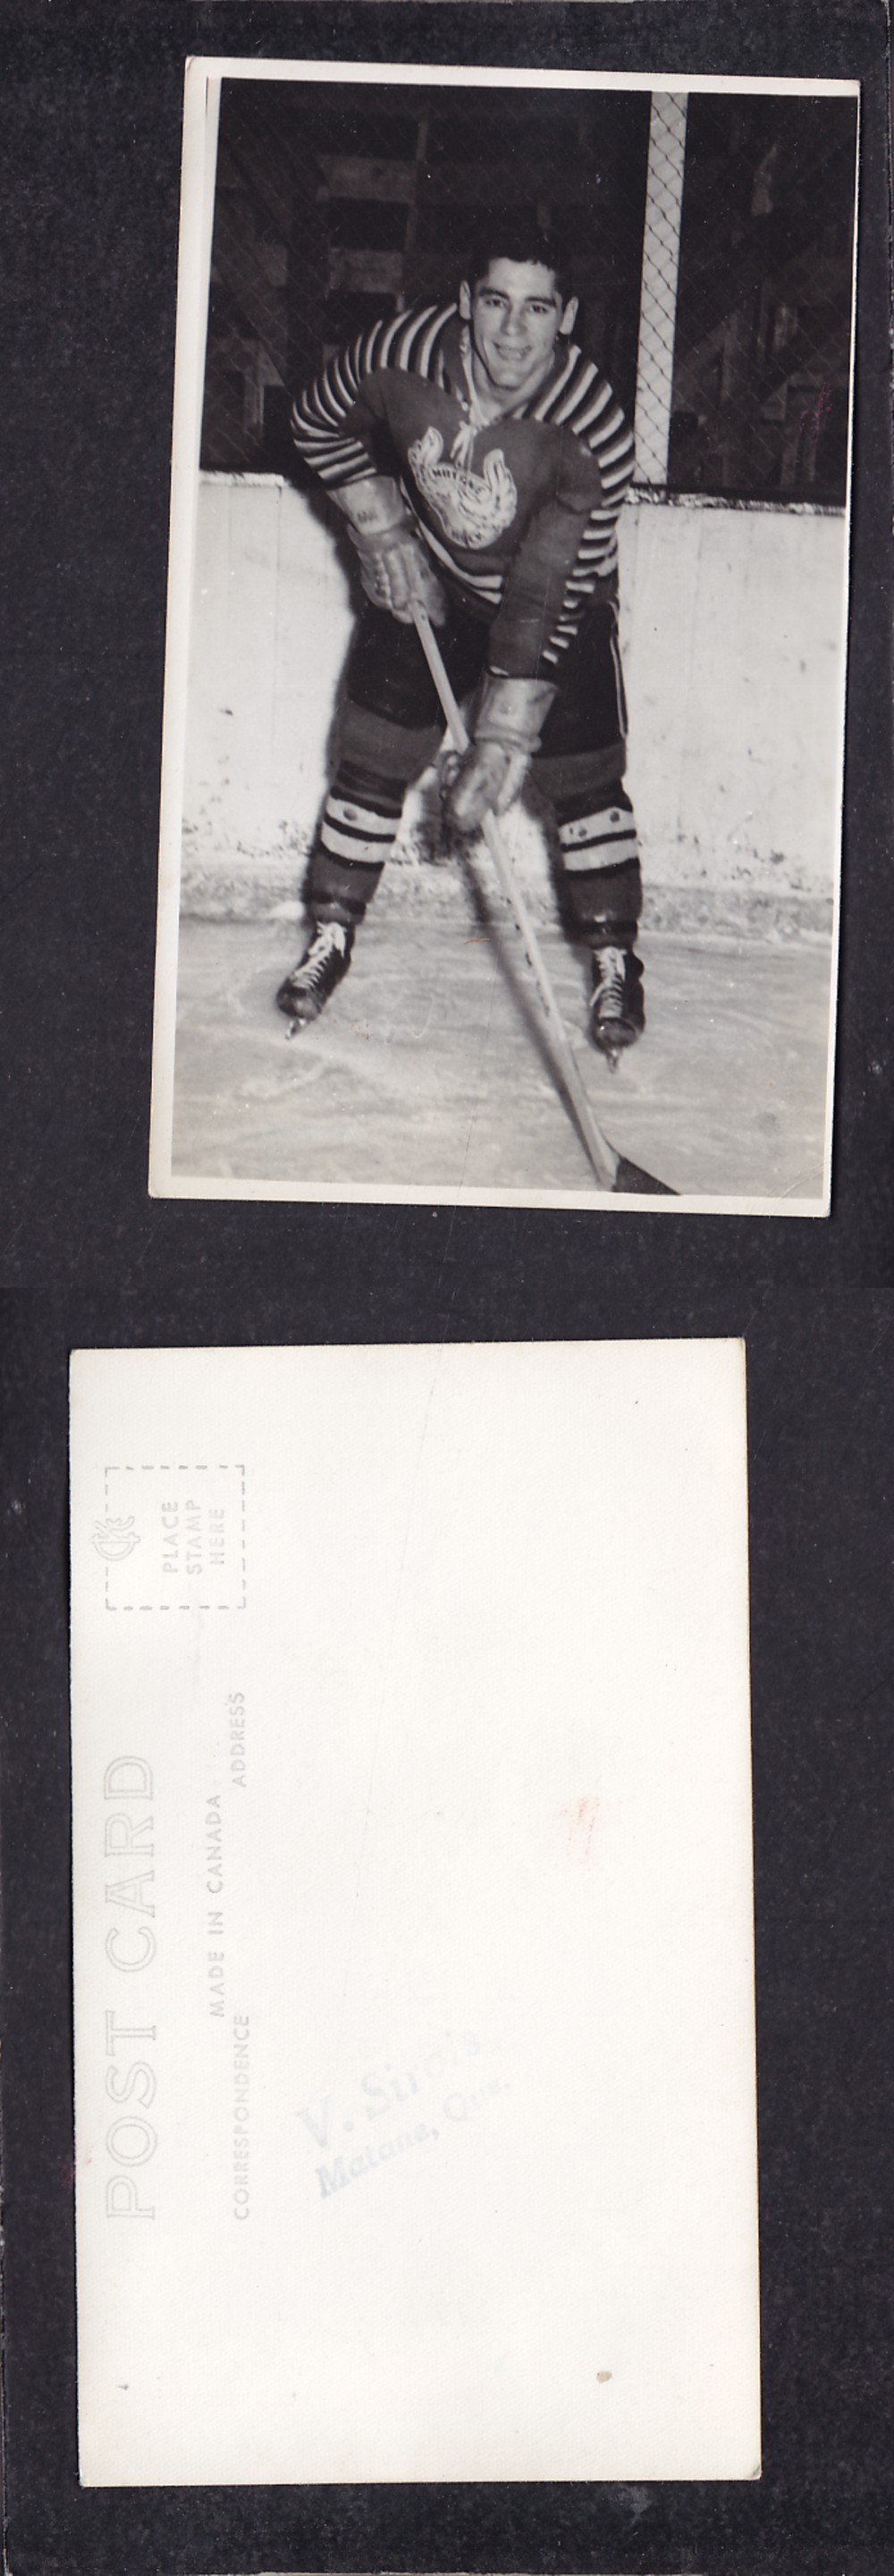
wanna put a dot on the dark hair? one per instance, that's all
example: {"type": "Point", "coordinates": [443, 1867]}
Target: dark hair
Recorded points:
{"type": "Point", "coordinates": [514, 232]}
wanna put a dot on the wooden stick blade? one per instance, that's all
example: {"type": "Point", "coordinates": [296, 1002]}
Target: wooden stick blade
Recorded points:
{"type": "Point", "coordinates": [607, 1165]}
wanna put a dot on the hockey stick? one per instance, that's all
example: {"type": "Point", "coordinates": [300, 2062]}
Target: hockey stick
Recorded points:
{"type": "Point", "coordinates": [611, 1169]}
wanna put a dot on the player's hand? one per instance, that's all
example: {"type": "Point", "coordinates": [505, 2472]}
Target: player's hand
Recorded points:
{"type": "Point", "coordinates": [486, 779]}
{"type": "Point", "coordinates": [397, 575]}
{"type": "Point", "coordinates": [507, 730]}
{"type": "Point", "coordinates": [395, 570]}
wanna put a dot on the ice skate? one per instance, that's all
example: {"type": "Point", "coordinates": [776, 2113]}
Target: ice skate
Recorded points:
{"type": "Point", "coordinates": [617, 1009]}
{"type": "Point", "coordinates": [305, 992]}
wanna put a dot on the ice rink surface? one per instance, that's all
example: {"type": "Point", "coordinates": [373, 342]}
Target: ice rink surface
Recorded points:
{"type": "Point", "coordinates": [428, 1069]}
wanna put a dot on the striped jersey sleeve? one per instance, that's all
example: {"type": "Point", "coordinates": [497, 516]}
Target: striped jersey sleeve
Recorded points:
{"type": "Point", "coordinates": [581, 400]}
{"type": "Point", "coordinates": [318, 420]}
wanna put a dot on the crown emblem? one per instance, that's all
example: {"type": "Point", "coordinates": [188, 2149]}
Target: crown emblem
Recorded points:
{"type": "Point", "coordinates": [114, 1540]}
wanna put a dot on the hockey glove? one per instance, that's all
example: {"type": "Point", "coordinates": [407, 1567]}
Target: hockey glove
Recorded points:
{"type": "Point", "coordinates": [394, 568]}
{"type": "Point", "coordinates": [507, 731]}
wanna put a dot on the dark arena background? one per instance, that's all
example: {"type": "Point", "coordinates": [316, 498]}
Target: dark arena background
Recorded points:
{"type": "Point", "coordinates": [718, 303]}
{"type": "Point", "coordinates": [711, 244]}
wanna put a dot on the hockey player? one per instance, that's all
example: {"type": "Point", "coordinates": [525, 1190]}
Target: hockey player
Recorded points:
{"type": "Point", "coordinates": [480, 461]}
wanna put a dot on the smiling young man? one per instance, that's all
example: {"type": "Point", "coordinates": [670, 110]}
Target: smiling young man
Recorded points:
{"type": "Point", "coordinates": [480, 460]}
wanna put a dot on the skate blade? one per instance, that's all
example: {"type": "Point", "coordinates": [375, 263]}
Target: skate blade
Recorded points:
{"type": "Point", "coordinates": [608, 1055]}
{"type": "Point", "coordinates": [611, 1049]}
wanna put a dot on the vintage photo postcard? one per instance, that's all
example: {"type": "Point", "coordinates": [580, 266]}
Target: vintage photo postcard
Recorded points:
{"type": "Point", "coordinates": [508, 597]}
{"type": "Point", "coordinates": [415, 2107]}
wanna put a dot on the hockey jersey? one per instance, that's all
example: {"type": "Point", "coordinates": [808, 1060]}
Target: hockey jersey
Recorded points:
{"type": "Point", "coordinates": [519, 513]}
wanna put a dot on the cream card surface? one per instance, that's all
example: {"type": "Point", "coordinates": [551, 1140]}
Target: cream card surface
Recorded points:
{"type": "Point", "coordinates": [413, 1914]}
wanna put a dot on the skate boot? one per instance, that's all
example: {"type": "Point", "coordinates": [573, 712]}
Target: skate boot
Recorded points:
{"type": "Point", "coordinates": [617, 1009]}
{"type": "Point", "coordinates": [326, 959]}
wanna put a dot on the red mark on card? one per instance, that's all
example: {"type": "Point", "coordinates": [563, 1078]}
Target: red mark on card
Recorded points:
{"type": "Point", "coordinates": [581, 1819]}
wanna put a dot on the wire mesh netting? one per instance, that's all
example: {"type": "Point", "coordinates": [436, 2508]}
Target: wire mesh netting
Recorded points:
{"type": "Point", "coordinates": [659, 283]}
{"type": "Point", "coordinates": [710, 244]}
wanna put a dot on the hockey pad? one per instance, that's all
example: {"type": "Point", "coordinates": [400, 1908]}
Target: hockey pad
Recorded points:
{"type": "Point", "coordinates": [397, 576]}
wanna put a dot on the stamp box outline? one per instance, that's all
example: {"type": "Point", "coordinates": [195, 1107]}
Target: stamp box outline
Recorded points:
{"type": "Point", "coordinates": [188, 1467]}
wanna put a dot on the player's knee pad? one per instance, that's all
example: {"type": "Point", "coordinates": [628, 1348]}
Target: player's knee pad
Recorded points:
{"type": "Point", "coordinates": [386, 756]}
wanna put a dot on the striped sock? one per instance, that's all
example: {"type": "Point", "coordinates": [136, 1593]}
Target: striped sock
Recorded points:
{"type": "Point", "coordinates": [600, 872]}
{"type": "Point", "coordinates": [604, 838]}
{"type": "Point", "coordinates": [354, 839]}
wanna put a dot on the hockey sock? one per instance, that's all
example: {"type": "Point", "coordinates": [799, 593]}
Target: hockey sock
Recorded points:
{"type": "Point", "coordinates": [356, 832]}
{"type": "Point", "coordinates": [600, 881]}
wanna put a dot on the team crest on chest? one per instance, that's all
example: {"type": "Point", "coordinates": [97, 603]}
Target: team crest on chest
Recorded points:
{"type": "Point", "coordinates": [473, 508]}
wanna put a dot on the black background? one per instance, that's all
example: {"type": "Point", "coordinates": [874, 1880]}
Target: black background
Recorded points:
{"type": "Point", "coordinates": [90, 112]}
